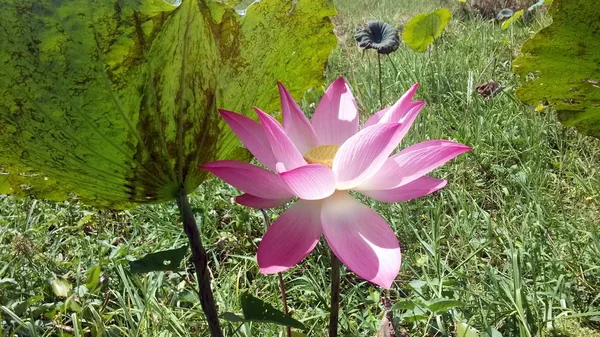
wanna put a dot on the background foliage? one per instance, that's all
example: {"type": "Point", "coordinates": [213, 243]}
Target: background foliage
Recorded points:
{"type": "Point", "coordinates": [510, 245]}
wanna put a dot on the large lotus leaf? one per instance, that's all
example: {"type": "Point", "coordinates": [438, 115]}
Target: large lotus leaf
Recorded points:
{"type": "Point", "coordinates": [115, 102]}
{"type": "Point", "coordinates": [423, 29]}
{"type": "Point", "coordinates": [561, 65]}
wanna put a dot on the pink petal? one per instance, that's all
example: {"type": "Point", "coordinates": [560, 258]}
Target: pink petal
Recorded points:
{"type": "Point", "coordinates": [256, 202]}
{"type": "Point", "coordinates": [251, 133]}
{"type": "Point", "coordinates": [283, 148]}
{"type": "Point", "coordinates": [310, 182]}
{"type": "Point", "coordinates": [291, 237]}
{"type": "Point", "coordinates": [408, 115]}
{"type": "Point", "coordinates": [249, 179]}
{"type": "Point", "coordinates": [336, 116]}
{"type": "Point", "coordinates": [361, 239]}
{"type": "Point", "coordinates": [295, 123]}
{"type": "Point", "coordinates": [364, 153]}
{"type": "Point", "coordinates": [415, 189]}
{"type": "Point", "coordinates": [395, 113]}
{"type": "Point", "coordinates": [405, 119]}
{"type": "Point", "coordinates": [398, 112]}
{"type": "Point", "coordinates": [412, 163]}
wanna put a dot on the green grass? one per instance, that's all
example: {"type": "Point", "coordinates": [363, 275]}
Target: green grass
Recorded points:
{"type": "Point", "coordinates": [513, 236]}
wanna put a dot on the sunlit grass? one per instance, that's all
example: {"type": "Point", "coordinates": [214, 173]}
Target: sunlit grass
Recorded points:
{"type": "Point", "coordinates": [513, 236]}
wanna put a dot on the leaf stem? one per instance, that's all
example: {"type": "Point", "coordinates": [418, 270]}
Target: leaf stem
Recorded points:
{"type": "Point", "coordinates": [335, 296]}
{"type": "Point", "coordinates": [281, 283]}
{"type": "Point", "coordinates": [200, 260]}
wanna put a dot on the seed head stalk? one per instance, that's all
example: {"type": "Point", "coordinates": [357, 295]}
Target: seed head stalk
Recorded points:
{"type": "Point", "coordinates": [380, 83]}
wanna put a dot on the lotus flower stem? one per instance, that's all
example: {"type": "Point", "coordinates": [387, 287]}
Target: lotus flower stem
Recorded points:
{"type": "Point", "coordinates": [284, 300]}
{"type": "Point", "coordinates": [380, 85]}
{"type": "Point", "coordinates": [200, 260]}
{"type": "Point", "coordinates": [335, 296]}
{"type": "Point", "coordinates": [280, 277]}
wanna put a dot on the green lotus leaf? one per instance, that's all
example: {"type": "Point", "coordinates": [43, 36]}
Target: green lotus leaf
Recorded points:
{"type": "Point", "coordinates": [115, 103]}
{"type": "Point", "coordinates": [423, 29]}
{"type": "Point", "coordinates": [257, 310]}
{"type": "Point", "coordinates": [560, 65]}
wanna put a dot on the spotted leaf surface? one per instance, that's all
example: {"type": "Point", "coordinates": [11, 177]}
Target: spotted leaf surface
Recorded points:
{"type": "Point", "coordinates": [115, 102]}
{"type": "Point", "coordinates": [560, 65]}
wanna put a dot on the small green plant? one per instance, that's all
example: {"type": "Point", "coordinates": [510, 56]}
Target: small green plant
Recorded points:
{"type": "Point", "coordinates": [422, 30]}
{"type": "Point", "coordinates": [512, 19]}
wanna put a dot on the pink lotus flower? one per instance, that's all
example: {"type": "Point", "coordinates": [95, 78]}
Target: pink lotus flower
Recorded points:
{"type": "Point", "coordinates": [319, 162]}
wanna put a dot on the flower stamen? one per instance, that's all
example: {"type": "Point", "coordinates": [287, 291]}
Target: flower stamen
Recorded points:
{"type": "Point", "coordinates": [322, 155]}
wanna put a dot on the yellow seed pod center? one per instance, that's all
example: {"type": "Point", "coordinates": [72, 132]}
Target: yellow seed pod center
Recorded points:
{"type": "Point", "coordinates": [321, 155]}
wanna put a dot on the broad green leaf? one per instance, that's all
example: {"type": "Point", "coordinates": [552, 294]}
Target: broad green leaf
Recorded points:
{"type": "Point", "coordinates": [231, 317]}
{"type": "Point", "coordinates": [256, 310]}
{"type": "Point", "coordinates": [233, 3]}
{"type": "Point", "coordinates": [417, 284]}
{"type": "Point", "coordinates": [404, 305]}
{"type": "Point", "coordinates": [560, 65]}
{"type": "Point", "coordinates": [115, 103]}
{"type": "Point", "coordinates": [494, 333]}
{"type": "Point", "coordinates": [423, 29]}
{"type": "Point", "coordinates": [18, 309]}
{"type": "Point", "coordinates": [92, 277]}
{"type": "Point", "coordinates": [73, 304]}
{"type": "Point", "coordinates": [297, 334]}
{"type": "Point", "coordinates": [159, 261]}
{"type": "Point", "coordinates": [61, 287]}
{"type": "Point", "coordinates": [443, 304]}
{"type": "Point", "coordinates": [410, 317]}
{"type": "Point", "coordinates": [416, 314]}
{"type": "Point", "coordinates": [188, 296]}
{"type": "Point", "coordinates": [508, 22]}
{"type": "Point", "coordinates": [464, 330]}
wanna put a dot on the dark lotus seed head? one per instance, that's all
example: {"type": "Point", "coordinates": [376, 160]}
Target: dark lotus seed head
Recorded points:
{"type": "Point", "coordinates": [378, 35]}
{"type": "Point", "coordinates": [505, 14]}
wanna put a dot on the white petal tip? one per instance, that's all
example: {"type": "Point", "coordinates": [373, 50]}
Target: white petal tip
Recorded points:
{"type": "Point", "coordinates": [386, 284]}
{"type": "Point", "coordinates": [273, 270]}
